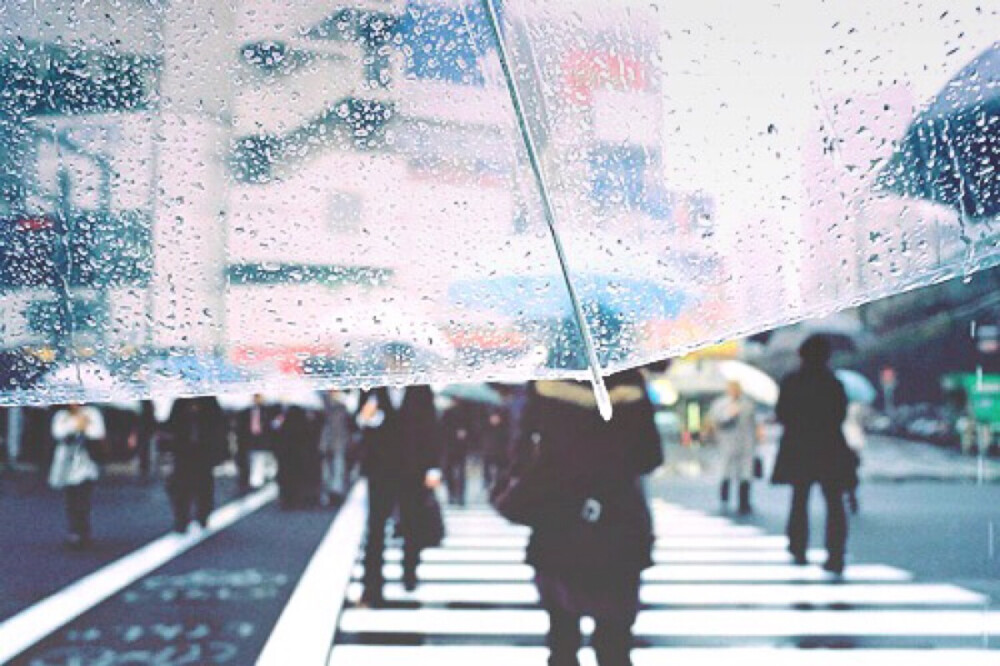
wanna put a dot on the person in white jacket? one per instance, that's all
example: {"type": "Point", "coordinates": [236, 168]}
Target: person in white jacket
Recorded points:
{"type": "Point", "coordinates": [73, 469]}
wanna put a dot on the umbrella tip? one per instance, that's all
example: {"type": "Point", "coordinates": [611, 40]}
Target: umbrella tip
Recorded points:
{"type": "Point", "coordinates": [603, 400]}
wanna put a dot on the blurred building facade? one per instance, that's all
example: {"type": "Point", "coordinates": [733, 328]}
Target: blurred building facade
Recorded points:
{"type": "Point", "coordinates": [256, 179]}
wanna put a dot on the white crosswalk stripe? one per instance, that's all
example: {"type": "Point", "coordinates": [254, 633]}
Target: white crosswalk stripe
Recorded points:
{"type": "Point", "coordinates": [718, 591]}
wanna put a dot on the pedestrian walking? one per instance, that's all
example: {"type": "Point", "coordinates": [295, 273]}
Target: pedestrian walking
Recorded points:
{"type": "Point", "coordinates": [400, 459]}
{"type": "Point", "coordinates": [854, 433]}
{"type": "Point", "coordinates": [335, 439]}
{"type": "Point", "coordinates": [196, 438]}
{"type": "Point", "coordinates": [254, 437]}
{"type": "Point", "coordinates": [732, 423]}
{"type": "Point", "coordinates": [575, 480]}
{"type": "Point", "coordinates": [77, 430]}
{"type": "Point", "coordinates": [457, 430]}
{"type": "Point", "coordinates": [297, 452]}
{"type": "Point", "coordinates": [495, 438]}
{"type": "Point", "coordinates": [812, 406]}
{"type": "Point", "coordinates": [145, 433]}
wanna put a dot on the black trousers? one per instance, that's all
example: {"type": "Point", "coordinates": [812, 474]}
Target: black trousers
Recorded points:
{"type": "Point", "coordinates": [614, 610]}
{"type": "Point", "coordinates": [836, 520]}
{"type": "Point", "coordinates": [78, 502]}
{"type": "Point", "coordinates": [242, 460]}
{"type": "Point", "coordinates": [612, 639]}
{"type": "Point", "coordinates": [385, 495]}
{"type": "Point", "coordinates": [455, 478]}
{"type": "Point", "coordinates": [492, 464]}
{"type": "Point", "coordinates": [192, 490]}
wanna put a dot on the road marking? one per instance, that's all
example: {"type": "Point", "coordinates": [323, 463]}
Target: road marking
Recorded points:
{"type": "Point", "coordinates": [712, 573]}
{"type": "Point", "coordinates": [31, 625]}
{"type": "Point", "coordinates": [462, 655]}
{"type": "Point", "coordinates": [462, 540]}
{"type": "Point", "coordinates": [665, 529]}
{"type": "Point", "coordinates": [307, 627]}
{"type": "Point", "coordinates": [661, 556]}
{"type": "Point", "coordinates": [702, 594]}
{"type": "Point", "coordinates": [683, 623]}
{"type": "Point", "coordinates": [714, 583]}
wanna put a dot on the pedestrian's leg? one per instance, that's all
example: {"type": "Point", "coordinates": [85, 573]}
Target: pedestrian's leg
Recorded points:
{"type": "Point", "coordinates": [380, 503]}
{"type": "Point", "coordinates": [798, 522]}
{"type": "Point", "coordinates": [338, 472]}
{"type": "Point", "coordinates": [724, 492]}
{"type": "Point", "coordinates": [852, 500]}
{"type": "Point", "coordinates": [409, 503]}
{"type": "Point", "coordinates": [72, 497]}
{"type": "Point", "coordinates": [84, 507]}
{"type": "Point", "coordinates": [489, 473]}
{"type": "Point", "coordinates": [243, 468]}
{"type": "Point", "coordinates": [179, 489]}
{"type": "Point", "coordinates": [205, 498]}
{"type": "Point", "coordinates": [836, 528]}
{"type": "Point", "coordinates": [564, 638]}
{"type": "Point", "coordinates": [462, 464]}
{"type": "Point", "coordinates": [144, 455]}
{"type": "Point", "coordinates": [745, 508]}
{"type": "Point", "coordinates": [451, 481]}
{"type": "Point", "coordinates": [612, 641]}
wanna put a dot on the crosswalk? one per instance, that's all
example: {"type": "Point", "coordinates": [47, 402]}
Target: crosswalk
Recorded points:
{"type": "Point", "coordinates": [715, 585]}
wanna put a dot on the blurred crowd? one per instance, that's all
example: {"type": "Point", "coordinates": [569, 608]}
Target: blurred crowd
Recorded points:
{"type": "Point", "coordinates": [312, 451]}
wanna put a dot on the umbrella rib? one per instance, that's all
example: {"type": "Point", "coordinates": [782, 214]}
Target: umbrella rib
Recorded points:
{"type": "Point", "coordinates": [600, 390]}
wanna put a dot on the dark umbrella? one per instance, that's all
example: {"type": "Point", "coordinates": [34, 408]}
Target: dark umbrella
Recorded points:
{"type": "Point", "coordinates": [951, 153]}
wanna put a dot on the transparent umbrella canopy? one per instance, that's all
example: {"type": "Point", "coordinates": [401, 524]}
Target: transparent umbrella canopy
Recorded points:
{"type": "Point", "coordinates": [242, 184]}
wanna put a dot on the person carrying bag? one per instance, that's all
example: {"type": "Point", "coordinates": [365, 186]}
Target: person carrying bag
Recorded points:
{"type": "Point", "coordinates": [575, 481]}
{"type": "Point", "coordinates": [78, 432]}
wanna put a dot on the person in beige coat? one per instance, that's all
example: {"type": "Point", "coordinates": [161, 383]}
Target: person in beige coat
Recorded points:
{"type": "Point", "coordinates": [733, 424]}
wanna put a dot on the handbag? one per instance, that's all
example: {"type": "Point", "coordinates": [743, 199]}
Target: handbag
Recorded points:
{"type": "Point", "coordinates": [427, 522]}
{"type": "Point", "coordinates": [758, 467]}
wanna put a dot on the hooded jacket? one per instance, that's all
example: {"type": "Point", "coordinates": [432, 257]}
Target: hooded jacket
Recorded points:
{"type": "Point", "coordinates": [577, 453]}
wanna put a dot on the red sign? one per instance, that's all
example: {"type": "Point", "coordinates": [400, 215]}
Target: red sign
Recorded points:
{"type": "Point", "coordinates": [587, 71]}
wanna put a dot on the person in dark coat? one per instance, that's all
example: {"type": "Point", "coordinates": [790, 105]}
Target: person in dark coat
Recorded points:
{"type": "Point", "coordinates": [196, 432]}
{"type": "Point", "coordinates": [458, 432]}
{"type": "Point", "coordinates": [586, 461]}
{"type": "Point", "coordinates": [495, 438]}
{"type": "Point", "coordinates": [253, 433]}
{"type": "Point", "coordinates": [297, 451]}
{"type": "Point", "coordinates": [400, 459]}
{"type": "Point", "coordinates": [812, 406]}
{"type": "Point", "coordinates": [145, 434]}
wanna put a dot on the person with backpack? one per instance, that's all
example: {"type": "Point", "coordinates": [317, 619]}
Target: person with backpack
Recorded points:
{"type": "Point", "coordinates": [78, 431]}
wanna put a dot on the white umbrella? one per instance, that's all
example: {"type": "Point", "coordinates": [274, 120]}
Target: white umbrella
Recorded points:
{"type": "Point", "coordinates": [757, 384]}
{"type": "Point", "coordinates": [306, 399]}
{"type": "Point", "coordinates": [235, 402]}
{"type": "Point", "coordinates": [294, 391]}
{"type": "Point", "coordinates": [124, 405]}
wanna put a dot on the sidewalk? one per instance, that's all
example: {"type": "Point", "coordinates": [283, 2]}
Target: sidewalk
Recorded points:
{"type": "Point", "coordinates": [894, 459]}
{"type": "Point", "coordinates": [884, 459]}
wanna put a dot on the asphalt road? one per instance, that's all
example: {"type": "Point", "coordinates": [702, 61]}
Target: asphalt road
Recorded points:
{"type": "Point", "coordinates": [218, 602]}
{"type": "Point", "coordinates": [941, 531]}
